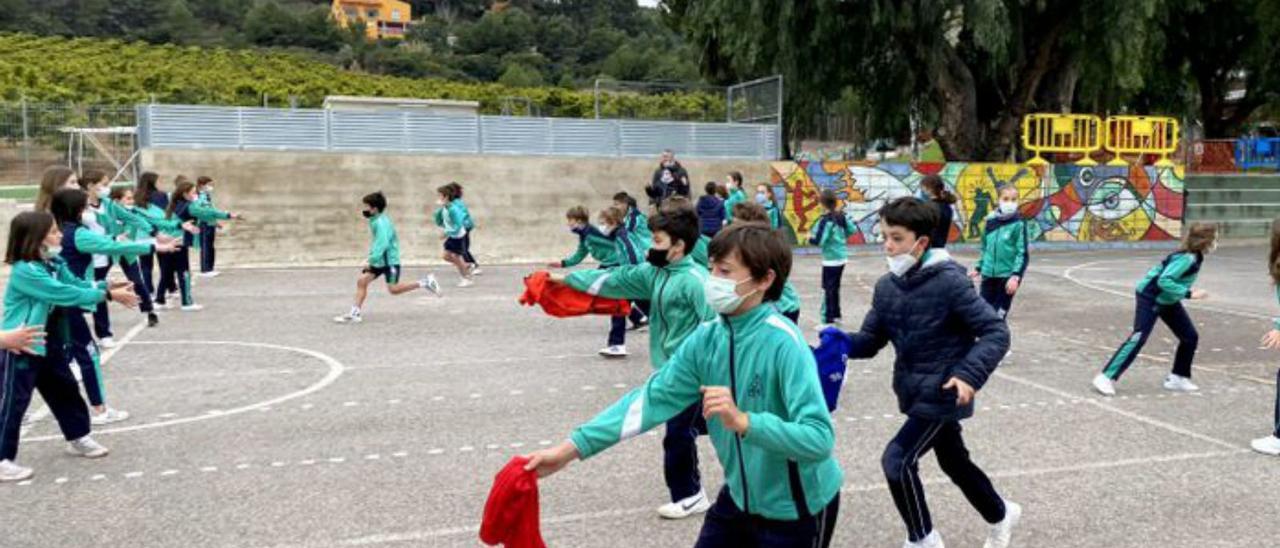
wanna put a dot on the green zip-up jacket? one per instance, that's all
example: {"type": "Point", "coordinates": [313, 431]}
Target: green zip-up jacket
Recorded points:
{"type": "Point", "coordinates": [676, 300]}
{"type": "Point", "coordinates": [385, 250]}
{"type": "Point", "coordinates": [735, 196]}
{"type": "Point", "coordinates": [790, 300]}
{"type": "Point", "coordinates": [763, 358]}
{"type": "Point", "coordinates": [127, 221]}
{"type": "Point", "coordinates": [1005, 251]}
{"type": "Point", "coordinates": [701, 252]}
{"type": "Point", "coordinates": [36, 287]}
{"type": "Point", "coordinates": [832, 235]}
{"type": "Point", "coordinates": [775, 216]}
{"type": "Point", "coordinates": [206, 215]}
{"type": "Point", "coordinates": [156, 216]}
{"type": "Point", "coordinates": [464, 213]}
{"type": "Point", "coordinates": [450, 218]}
{"type": "Point", "coordinates": [1170, 281]}
{"type": "Point", "coordinates": [598, 245]}
{"type": "Point", "coordinates": [638, 227]}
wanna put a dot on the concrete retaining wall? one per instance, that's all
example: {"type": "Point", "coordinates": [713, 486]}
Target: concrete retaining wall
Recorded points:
{"type": "Point", "coordinates": [304, 208]}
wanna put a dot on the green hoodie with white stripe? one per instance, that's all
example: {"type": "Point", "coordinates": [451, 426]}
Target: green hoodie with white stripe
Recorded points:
{"type": "Point", "coordinates": [763, 358]}
{"type": "Point", "coordinates": [35, 287]}
{"type": "Point", "coordinates": [677, 303]}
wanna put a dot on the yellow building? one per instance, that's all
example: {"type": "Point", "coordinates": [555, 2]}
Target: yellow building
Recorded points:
{"type": "Point", "coordinates": [382, 18]}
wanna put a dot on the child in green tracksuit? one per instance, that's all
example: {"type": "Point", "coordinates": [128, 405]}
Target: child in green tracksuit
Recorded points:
{"type": "Point", "coordinates": [1159, 296]}
{"type": "Point", "coordinates": [473, 268]}
{"type": "Point", "coordinates": [384, 259]}
{"type": "Point", "coordinates": [736, 195]}
{"type": "Point", "coordinates": [592, 242]}
{"type": "Point", "coordinates": [637, 224]}
{"type": "Point", "coordinates": [832, 235]}
{"type": "Point", "coordinates": [764, 197]}
{"type": "Point", "coordinates": [42, 291]}
{"type": "Point", "coordinates": [752, 374]}
{"type": "Point", "coordinates": [1005, 253]}
{"type": "Point", "coordinates": [451, 218]}
{"type": "Point", "coordinates": [611, 245]}
{"type": "Point", "coordinates": [673, 284]}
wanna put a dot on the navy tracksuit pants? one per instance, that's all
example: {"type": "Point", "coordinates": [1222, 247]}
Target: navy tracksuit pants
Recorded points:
{"type": "Point", "coordinates": [993, 291]}
{"type": "Point", "coordinates": [83, 350]}
{"type": "Point", "coordinates": [101, 317]}
{"type": "Point", "coordinates": [831, 293]}
{"type": "Point", "coordinates": [901, 468]}
{"type": "Point", "coordinates": [680, 452]}
{"type": "Point", "coordinates": [1144, 321]}
{"type": "Point", "coordinates": [49, 374]}
{"type": "Point", "coordinates": [208, 234]}
{"type": "Point", "coordinates": [726, 526]}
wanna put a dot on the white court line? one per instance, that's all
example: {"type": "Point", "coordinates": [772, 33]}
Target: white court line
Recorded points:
{"type": "Point", "coordinates": [335, 370]}
{"type": "Point", "coordinates": [513, 359]}
{"type": "Point", "coordinates": [1128, 414]}
{"type": "Point", "coordinates": [1196, 306]}
{"type": "Point", "coordinates": [420, 536]}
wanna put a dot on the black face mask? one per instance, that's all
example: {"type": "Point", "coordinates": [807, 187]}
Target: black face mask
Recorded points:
{"type": "Point", "coordinates": [367, 214]}
{"type": "Point", "coordinates": [658, 257]}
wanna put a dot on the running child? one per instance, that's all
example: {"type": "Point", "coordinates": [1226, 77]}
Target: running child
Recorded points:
{"type": "Point", "coordinates": [673, 283]}
{"type": "Point", "coordinates": [636, 223]}
{"type": "Point", "coordinates": [612, 223]}
{"type": "Point", "coordinates": [383, 261]}
{"type": "Point", "coordinates": [602, 244]}
{"type": "Point", "coordinates": [40, 292]}
{"type": "Point", "coordinates": [1270, 445]}
{"type": "Point", "coordinates": [948, 343]}
{"type": "Point", "coordinates": [1005, 253]}
{"type": "Point", "coordinates": [1159, 296]}
{"type": "Point", "coordinates": [832, 235]}
{"type": "Point", "coordinates": [79, 246]}
{"type": "Point", "coordinates": [789, 302]}
{"type": "Point", "coordinates": [448, 217]}
{"type": "Point", "coordinates": [473, 267]}
{"type": "Point", "coordinates": [752, 376]}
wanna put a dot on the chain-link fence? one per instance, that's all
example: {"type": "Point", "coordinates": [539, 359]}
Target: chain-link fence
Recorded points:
{"type": "Point", "coordinates": [34, 136]}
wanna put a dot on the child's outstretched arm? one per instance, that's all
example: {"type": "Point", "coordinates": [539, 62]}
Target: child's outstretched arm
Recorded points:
{"type": "Point", "coordinates": [867, 341]}
{"type": "Point", "coordinates": [623, 282]}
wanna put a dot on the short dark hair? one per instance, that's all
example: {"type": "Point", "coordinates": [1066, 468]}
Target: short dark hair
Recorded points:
{"type": "Point", "coordinates": [577, 213]}
{"type": "Point", "coordinates": [203, 180]}
{"type": "Point", "coordinates": [68, 204]}
{"type": "Point", "coordinates": [625, 198]}
{"type": "Point", "coordinates": [118, 192]}
{"type": "Point", "coordinates": [26, 235]}
{"type": "Point", "coordinates": [760, 248]}
{"type": "Point", "coordinates": [736, 176]}
{"type": "Point", "coordinates": [456, 188]}
{"type": "Point", "coordinates": [375, 200]}
{"type": "Point", "coordinates": [712, 188]}
{"type": "Point", "coordinates": [749, 212]}
{"type": "Point", "coordinates": [89, 177]}
{"type": "Point", "coordinates": [448, 192]}
{"type": "Point", "coordinates": [679, 223]}
{"type": "Point", "coordinates": [912, 214]}
{"type": "Point", "coordinates": [829, 199]}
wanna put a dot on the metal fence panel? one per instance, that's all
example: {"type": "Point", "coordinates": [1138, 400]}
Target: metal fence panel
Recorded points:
{"type": "Point", "coordinates": [728, 141]}
{"type": "Point", "coordinates": [442, 134]}
{"type": "Point", "coordinates": [367, 131]}
{"type": "Point", "coordinates": [570, 137]}
{"type": "Point", "coordinates": [283, 129]}
{"type": "Point", "coordinates": [194, 127]}
{"type": "Point", "coordinates": [651, 138]}
{"type": "Point", "coordinates": [514, 135]}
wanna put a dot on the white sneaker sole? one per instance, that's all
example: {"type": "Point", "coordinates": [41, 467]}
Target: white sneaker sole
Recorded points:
{"type": "Point", "coordinates": [1265, 449]}
{"type": "Point", "coordinates": [95, 421]}
{"type": "Point", "coordinates": [20, 477]}
{"type": "Point", "coordinates": [94, 455]}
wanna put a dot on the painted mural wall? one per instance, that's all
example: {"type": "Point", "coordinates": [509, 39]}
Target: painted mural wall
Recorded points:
{"type": "Point", "coordinates": [1068, 203]}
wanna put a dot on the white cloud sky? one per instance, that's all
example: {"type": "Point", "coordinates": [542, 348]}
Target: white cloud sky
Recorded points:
{"type": "Point", "coordinates": [648, 3]}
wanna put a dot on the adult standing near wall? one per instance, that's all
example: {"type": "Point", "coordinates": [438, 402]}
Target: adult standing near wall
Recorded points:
{"type": "Point", "coordinates": [670, 179]}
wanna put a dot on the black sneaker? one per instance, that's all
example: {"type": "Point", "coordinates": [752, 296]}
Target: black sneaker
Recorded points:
{"type": "Point", "coordinates": [152, 319]}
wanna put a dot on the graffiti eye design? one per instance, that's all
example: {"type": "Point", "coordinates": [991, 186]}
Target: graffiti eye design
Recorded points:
{"type": "Point", "coordinates": [1112, 199]}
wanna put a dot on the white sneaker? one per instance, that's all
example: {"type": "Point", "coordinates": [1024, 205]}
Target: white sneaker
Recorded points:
{"type": "Point", "coordinates": [87, 448]}
{"type": "Point", "coordinates": [193, 308]}
{"type": "Point", "coordinates": [10, 471]}
{"type": "Point", "coordinates": [681, 509]}
{"type": "Point", "coordinates": [107, 342]}
{"type": "Point", "coordinates": [615, 351]}
{"type": "Point", "coordinates": [1178, 383]}
{"type": "Point", "coordinates": [349, 318]}
{"type": "Point", "coordinates": [474, 270]}
{"type": "Point", "coordinates": [466, 282]}
{"type": "Point", "coordinates": [210, 274]}
{"type": "Point", "coordinates": [107, 417]}
{"type": "Point", "coordinates": [1104, 385]}
{"type": "Point", "coordinates": [1269, 445]}
{"type": "Point", "coordinates": [933, 540]}
{"type": "Point", "coordinates": [429, 283]}
{"type": "Point", "coordinates": [1003, 531]}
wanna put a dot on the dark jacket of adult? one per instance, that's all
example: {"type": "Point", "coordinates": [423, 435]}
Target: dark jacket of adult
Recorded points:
{"type": "Point", "coordinates": [667, 181]}
{"type": "Point", "coordinates": [943, 230]}
{"type": "Point", "coordinates": [940, 329]}
{"type": "Point", "coordinates": [710, 214]}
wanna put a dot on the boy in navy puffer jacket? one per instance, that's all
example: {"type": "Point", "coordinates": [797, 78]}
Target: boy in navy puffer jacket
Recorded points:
{"type": "Point", "coordinates": [948, 342]}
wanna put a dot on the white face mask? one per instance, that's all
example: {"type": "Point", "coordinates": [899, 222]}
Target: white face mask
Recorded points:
{"type": "Point", "coordinates": [899, 264]}
{"type": "Point", "coordinates": [722, 294]}
{"type": "Point", "coordinates": [604, 229]}
{"type": "Point", "coordinates": [51, 251]}
{"type": "Point", "coordinates": [1008, 208]}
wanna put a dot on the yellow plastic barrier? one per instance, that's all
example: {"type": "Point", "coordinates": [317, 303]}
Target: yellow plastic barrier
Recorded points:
{"type": "Point", "coordinates": [1141, 135]}
{"type": "Point", "coordinates": [1066, 133]}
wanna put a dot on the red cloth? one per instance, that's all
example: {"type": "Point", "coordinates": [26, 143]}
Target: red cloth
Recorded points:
{"type": "Point", "coordinates": [511, 513]}
{"type": "Point", "coordinates": [562, 301]}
